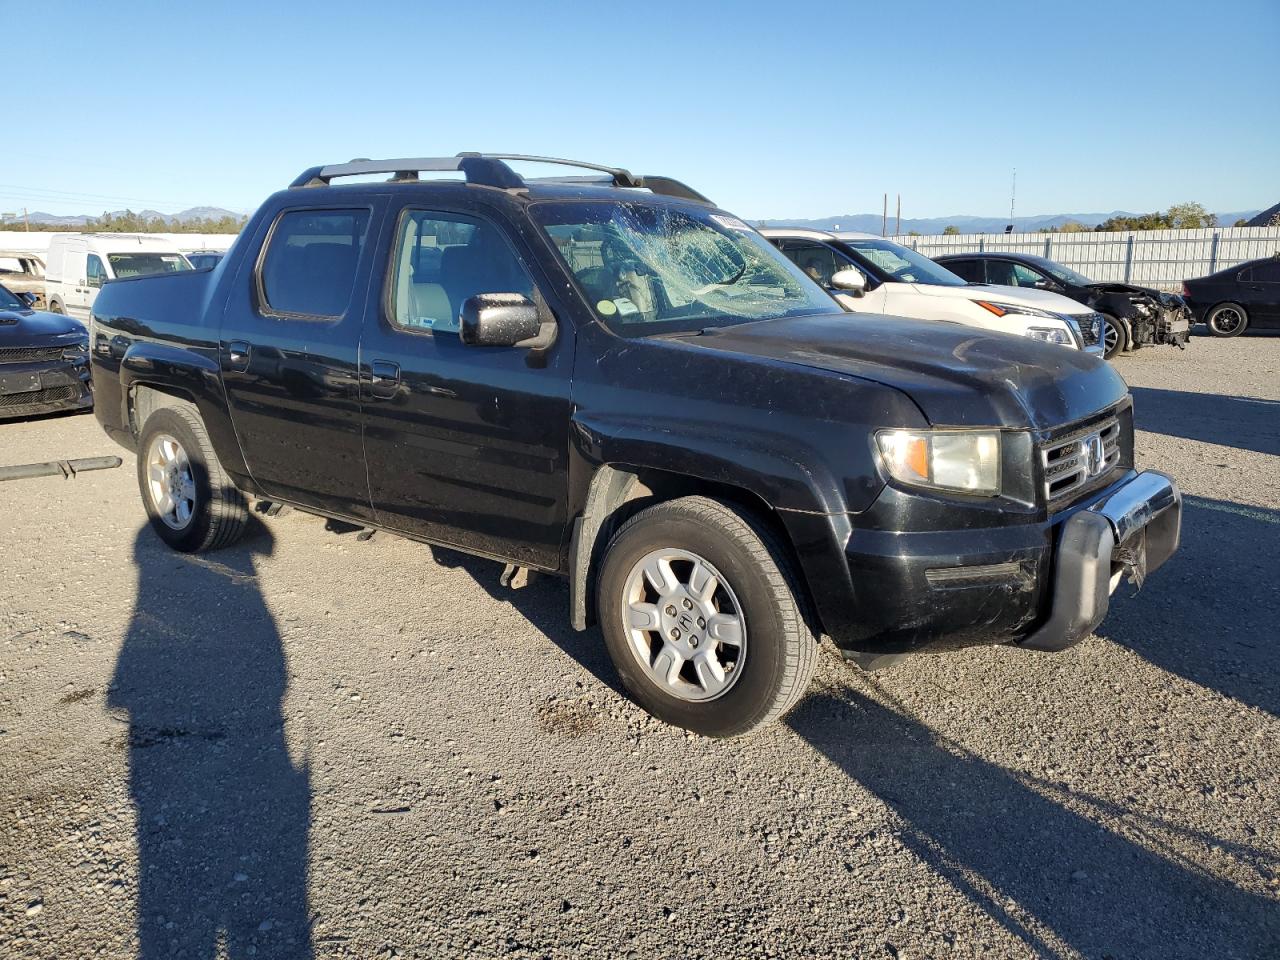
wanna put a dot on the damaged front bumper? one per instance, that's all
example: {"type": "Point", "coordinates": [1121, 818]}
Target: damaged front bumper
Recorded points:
{"type": "Point", "coordinates": [1042, 585]}
{"type": "Point", "coordinates": [1131, 532]}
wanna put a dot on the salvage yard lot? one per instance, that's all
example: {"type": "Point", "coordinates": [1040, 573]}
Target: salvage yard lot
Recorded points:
{"type": "Point", "coordinates": [307, 744]}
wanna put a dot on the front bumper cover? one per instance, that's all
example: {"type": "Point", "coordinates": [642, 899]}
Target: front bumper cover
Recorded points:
{"type": "Point", "coordinates": [1130, 532]}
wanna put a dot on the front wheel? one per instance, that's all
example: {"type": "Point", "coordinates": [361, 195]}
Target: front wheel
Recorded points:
{"type": "Point", "coordinates": [1227, 320]}
{"type": "Point", "coordinates": [191, 503]}
{"type": "Point", "coordinates": [1115, 338]}
{"type": "Point", "coordinates": [703, 619]}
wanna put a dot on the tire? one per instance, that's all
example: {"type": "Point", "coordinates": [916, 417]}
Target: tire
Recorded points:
{"type": "Point", "coordinates": [763, 675]}
{"type": "Point", "coordinates": [1115, 336]}
{"type": "Point", "coordinates": [173, 442]}
{"type": "Point", "coordinates": [1227, 320]}
{"type": "Point", "coordinates": [55, 307]}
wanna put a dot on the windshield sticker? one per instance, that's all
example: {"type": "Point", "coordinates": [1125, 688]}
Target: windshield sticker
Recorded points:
{"type": "Point", "coordinates": [625, 307]}
{"type": "Point", "coordinates": [606, 308]}
{"type": "Point", "coordinates": [169, 259]}
{"type": "Point", "coordinates": [731, 223]}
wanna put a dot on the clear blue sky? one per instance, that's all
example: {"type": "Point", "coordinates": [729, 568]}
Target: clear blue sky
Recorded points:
{"type": "Point", "coordinates": [774, 109]}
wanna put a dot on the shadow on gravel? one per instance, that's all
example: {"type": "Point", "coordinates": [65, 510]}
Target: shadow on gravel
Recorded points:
{"type": "Point", "coordinates": [544, 602]}
{"type": "Point", "coordinates": [1210, 613]}
{"type": "Point", "coordinates": [222, 812]}
{"type": "Point", "coordinates": [1248, 423]}
{"type": "Point", "coordinates": [1027, 860]}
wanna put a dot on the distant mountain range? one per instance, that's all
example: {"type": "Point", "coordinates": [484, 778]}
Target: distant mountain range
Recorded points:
{"type": "Point", "coordinates": [870, 222]}
{"type": "Point", "coordinates": [195, 213]}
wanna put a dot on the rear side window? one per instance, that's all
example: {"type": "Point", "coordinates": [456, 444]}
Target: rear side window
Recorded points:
{"type": "Point", "coordinates": [309, 266]}
{"type": "Point", "coordinates": [969, 270]}
{"type": "Point", "coordinates": [1264, 273]}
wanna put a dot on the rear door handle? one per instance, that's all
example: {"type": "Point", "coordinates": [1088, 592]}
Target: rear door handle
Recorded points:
{"type": "Point", "coordinates": [238, 352]}
{"type": "Point", "coordinates": [384, 379]}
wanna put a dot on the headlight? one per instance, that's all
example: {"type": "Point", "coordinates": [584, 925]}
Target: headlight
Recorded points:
{"type": "Point", "coordinates": [966, 461]}
{"type": "Point", "coordinates": [1000, 309]}
{"type": "Point", "coordinates": [1050, 335]}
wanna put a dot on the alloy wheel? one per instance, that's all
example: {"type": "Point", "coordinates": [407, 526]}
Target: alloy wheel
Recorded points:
{"type": "Point", "coordinates": [684, 625]}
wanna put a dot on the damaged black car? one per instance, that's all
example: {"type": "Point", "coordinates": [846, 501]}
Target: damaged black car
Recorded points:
{"type": "Point", "coordinates": [44, 360]}
{"type": "Point", "coordinates": [1135, 316]}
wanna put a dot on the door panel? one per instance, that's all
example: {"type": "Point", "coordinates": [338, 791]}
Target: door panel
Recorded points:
{"type": "Point", "coordinates": [465, 445]}
{"type": "Point", "coordinates": [289, 347]}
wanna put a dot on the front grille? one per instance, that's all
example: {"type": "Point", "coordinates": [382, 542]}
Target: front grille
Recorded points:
{"type": "Point", "coordinates": [29, 354]}
{"type": "Point", "coordinates": [1091, 329]}
{"type": "Point", "coordinates": [52, 395]}
{"type": "Point", "coordinates": [1082, 459]}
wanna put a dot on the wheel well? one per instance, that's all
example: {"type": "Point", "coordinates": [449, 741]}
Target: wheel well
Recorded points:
{"type": "Point", "coordinates": [146, 398]}
{"type": "Point", "coordinates": [618, 493]}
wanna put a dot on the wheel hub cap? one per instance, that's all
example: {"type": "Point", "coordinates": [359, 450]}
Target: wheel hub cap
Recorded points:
{"type": "Point", "coordinates": [170, 483]}
{"type": "Point", "coordinates": [684, 625]}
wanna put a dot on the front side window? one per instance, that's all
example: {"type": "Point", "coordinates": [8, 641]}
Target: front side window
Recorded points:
{"type": "Point", "coordinates": [817, 260]}
{"type": "Point", "coordinates": [143, 264]}
{"type": "Point", "coordinates": [1006, 273]}
{"type": "Point", "coordinates": [903, 264]}
{"type": "Point", "coordinates": [95, 271]}
{"type": "Point", "coordinates": [309, 266]}
{"type": "Point", "coordinates": [441, 260]}
{"type": "Point", "coordinates": [647, 268]}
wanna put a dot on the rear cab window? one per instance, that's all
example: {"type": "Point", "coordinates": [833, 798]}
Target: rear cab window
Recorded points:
{"type": "Point", "coordinates": [307, 268]}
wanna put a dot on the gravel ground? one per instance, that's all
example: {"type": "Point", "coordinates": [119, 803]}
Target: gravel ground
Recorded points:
{"type": "Point", "coordinates": [310, 746]}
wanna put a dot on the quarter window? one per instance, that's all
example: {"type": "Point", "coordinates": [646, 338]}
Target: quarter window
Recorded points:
{"type": "Point", "coordinates": [442, 259]}
{"type": "Point", "coordinates": [309, 267]}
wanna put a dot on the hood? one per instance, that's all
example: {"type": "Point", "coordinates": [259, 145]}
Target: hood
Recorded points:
{"type": "Point", "coordinates": [1019, 296]}
{"type": "Point", "coordinates": [1130, 292]}
{"type": "Point", "coordinates": [33, 328]}
{"type": "Point", "coordinates": [957, 375]}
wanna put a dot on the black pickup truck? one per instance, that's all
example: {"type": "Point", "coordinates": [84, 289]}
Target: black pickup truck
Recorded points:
{"type": "Point", "coordinates": [608, 378]}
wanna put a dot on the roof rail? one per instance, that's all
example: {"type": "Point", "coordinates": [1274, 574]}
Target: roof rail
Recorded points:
{"type": "Point", "coordinates": [491, 170]}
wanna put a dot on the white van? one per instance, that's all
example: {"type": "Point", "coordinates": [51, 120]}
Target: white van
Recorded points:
{"type": "Point", "coordinates": [77, 265]}
{"type": "Point", "coordinates": [869, 274]}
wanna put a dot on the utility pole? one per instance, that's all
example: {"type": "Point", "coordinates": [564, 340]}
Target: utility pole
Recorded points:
{"type": "Point", "coordinates": [884, 216]}
{"type": "Point", "coordinates": [897, 230]}
{"type": "Point", "coordinates": [26, 219]}
{"type": "Point", "coordinates": [1013, 195]}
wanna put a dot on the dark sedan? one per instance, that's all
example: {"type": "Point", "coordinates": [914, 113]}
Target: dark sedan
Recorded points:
{"type": "Point", "coordinates": [1230, 301]}
{"type": "Point", "coordinates": [1135, 316]}
{"type": "Point", "coordinates": [44, 360]}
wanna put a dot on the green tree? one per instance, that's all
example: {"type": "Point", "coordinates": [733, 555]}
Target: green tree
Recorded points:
{"type": "Point", "coordinates": [950, 231]}
{"type": "Point", "coordinates": [1242, 222]}
{"type": "Point", "coordinates": [1190, 216]}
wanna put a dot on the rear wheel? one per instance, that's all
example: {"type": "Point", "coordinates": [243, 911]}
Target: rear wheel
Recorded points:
{"type": "Point", "coordinates": [55, 307]}
{"type": "Point", "coordinates": [1227, 320]}
{"type": "Point", "coordinates": [702, 618]}
{"type": "Point", "coordinates": [191, 503]}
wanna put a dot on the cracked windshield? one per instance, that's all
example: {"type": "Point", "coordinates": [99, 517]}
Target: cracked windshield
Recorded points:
{"type": "Point", "coordinates": [647, 268]}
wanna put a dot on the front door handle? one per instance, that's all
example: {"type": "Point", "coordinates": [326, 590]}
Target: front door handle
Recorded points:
{"type": "Point", "coordinates": [384, 379]}
{"type": "Point", "coordinates": [238, 354]}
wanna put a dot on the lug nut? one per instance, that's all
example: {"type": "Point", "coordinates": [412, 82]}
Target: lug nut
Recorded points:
{"type": "Point", "coordinates": [671, 611]}
{"type": "Point", "coordinates": [693, 641]}
{"type": "Point", "coordinates": [702, 624]}
{"type": "Point", "coordinates": [688, 604]}
{"type": "Point", "coordinates": [675, 634]}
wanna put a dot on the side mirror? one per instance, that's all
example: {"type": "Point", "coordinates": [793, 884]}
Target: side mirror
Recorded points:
{"type": "Point", "coordinates": [849, 280]}
{"type": "Point", "coordinates": [498, 320]}
{"type": "Point", "coordinates": [28, 298]}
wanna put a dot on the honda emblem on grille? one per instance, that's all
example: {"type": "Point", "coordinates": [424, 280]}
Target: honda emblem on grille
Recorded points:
{"type": "Point", "coordinates": [1094, 454]}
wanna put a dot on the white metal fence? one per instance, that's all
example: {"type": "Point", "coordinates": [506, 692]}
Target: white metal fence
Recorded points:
{"type": "Point", "coordinates": [38, 241]}
{"type": "Point", "coordinates": [1151, 258]}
